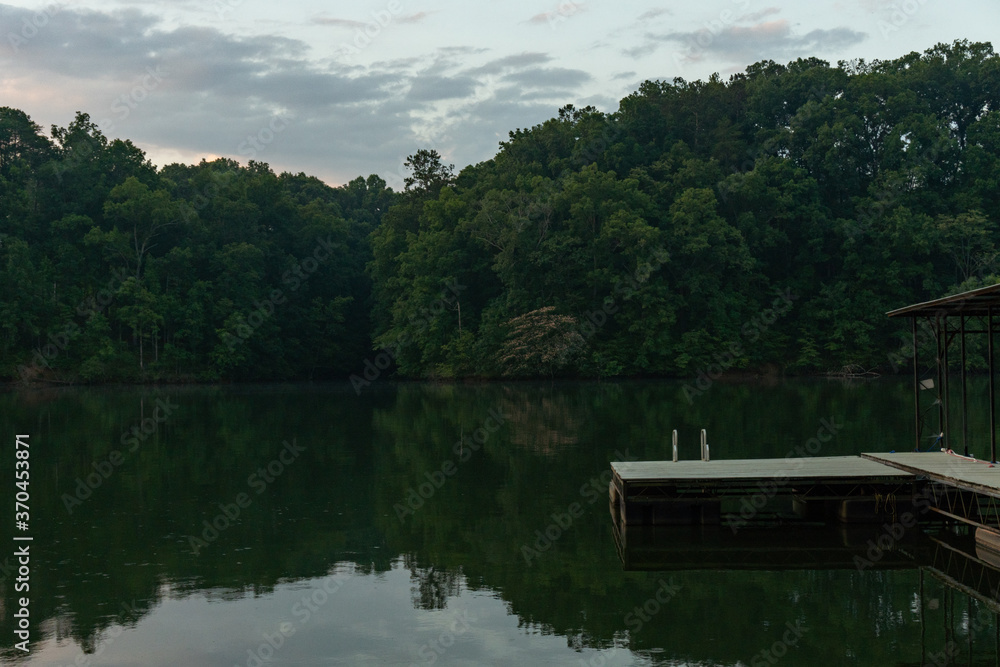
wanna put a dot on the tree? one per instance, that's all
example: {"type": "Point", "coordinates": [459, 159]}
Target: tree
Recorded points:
{"type": "Point", "coordinates": [541, 342]}
{"type": "Point", "coordinates": [139, 311]}
{"type": "Point", "coordinates": [970, 240]}
{"type": "Point", "coordinates": [140, 215]}
{"type": "Point", "coordinates": [22, 145]}
{"type": "Point", "coordinates": [428, 173]}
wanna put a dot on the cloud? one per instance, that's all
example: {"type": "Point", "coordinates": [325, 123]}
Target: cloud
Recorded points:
{"type": "Point", "coordinates": [743, 45]}
{"type": "Point", "coordinates": [480, 126]}
{"type": "Point", "coordinates": [214, 93]}
{"type": "Point", "coordinates": [212, 90]}
{"type": "Point", "coordinates": [653, 13]}
{"type": "Point", "coordinates": [758, 15]}
{"type": "Point", "coordinates": [552, 78]}
{"type": "Point", "coordinates": [515, 61]}
{"type": "Point", "coordinates": [827, 40]}
{"type": "Point", "coordinates": [414, 18]}
{"type": "Point", "coordinates": [646, 48]}
{"type": "Point", "coordinates": [876, 6]}
{"type": "Point", "coordinates": [600, 102]}
{"type": "Point", "coordinates": [339, 23]}
{"type": "Point", "coordinates": [433, 88]}
{"type": "Point", "coordinates": [351, 24]}
{"type": "Point", "coordinates": [561, 13]}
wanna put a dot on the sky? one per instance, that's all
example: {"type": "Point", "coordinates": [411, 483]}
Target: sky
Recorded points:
{"type": "Point", "coordinates": [345, 89]}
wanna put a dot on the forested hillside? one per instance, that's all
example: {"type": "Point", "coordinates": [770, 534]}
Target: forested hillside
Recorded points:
{"type": "Point", "coordinates": [771, 219]}
{"type": "Point", "coordinates": [114, 271]}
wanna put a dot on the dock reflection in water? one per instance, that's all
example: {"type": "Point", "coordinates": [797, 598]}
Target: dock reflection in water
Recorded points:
{"type": "Point", "coordinates": [963, 607]}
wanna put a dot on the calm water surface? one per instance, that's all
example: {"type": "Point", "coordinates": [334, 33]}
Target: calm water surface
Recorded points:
{"type": "Point", "coordinates": [408, 526]}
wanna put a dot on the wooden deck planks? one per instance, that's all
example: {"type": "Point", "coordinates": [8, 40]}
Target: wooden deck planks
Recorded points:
{"type": "Point", "coordinates": [956, 471]}
{"type": "Point", "coordinates": [813, 469]}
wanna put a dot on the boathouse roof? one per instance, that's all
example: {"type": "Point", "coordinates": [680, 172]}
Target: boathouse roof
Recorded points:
{"type": "Point", "coordinates": [974, 302]}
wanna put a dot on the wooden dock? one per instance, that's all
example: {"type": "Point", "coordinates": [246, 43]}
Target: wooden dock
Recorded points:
{"type": "Point", "coordinates": [852, 488]}
{"type": "Point", "coordinates": [956, 471]}
{"type": "Point", "coordinates": [959, 488]}
{"type": "Point", "coordinates": [738, 473]}
{"type": "Point", "coordinates": [686, 492]}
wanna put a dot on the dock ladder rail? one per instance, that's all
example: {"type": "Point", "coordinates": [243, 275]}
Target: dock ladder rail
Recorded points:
{"type": "Point", "coordinates": [704, 445]}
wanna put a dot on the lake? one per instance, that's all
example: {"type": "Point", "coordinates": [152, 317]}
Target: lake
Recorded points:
{"type": "Point", "coordinates": [452, 524]}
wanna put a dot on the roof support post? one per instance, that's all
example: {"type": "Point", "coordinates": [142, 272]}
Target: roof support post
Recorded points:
{"type": "Point", "coordinates": [989, 353]}
{"type": "Point", "coordinates": [965, 396]}
{"type": "Point", "coordinates": [937, 369]}
{"type": "Point", "coordinates": [947, 384]}
{"type": "Point", "coordinates": [916, 386]}
{"type": "Point", "coordinates": [939, 337]}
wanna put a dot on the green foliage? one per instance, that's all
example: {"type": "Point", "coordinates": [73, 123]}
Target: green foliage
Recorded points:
{"type": "Point", "coordinates": [114, 272]}
{"type": "Point", "coordinates": [655, 240]}
{"type": "Point", "coordinates": [539, 342]}
{"type": "Point", "coordinates": [856, 188]}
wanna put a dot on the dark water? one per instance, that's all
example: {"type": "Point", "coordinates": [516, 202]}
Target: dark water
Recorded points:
{"type": "Point", "coordinates": [336, 558]}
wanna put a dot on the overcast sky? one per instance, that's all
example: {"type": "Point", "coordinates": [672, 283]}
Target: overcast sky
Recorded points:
{"type": "Point", "coordinates": [338, 89]}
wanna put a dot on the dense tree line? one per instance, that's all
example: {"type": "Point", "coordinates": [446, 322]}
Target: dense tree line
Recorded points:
{"type": "Point", "coordinates": [768, 220]}
{"type": "Point", "coordinates": [113, 270]}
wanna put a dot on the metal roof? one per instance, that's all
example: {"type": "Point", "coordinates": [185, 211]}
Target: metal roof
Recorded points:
{"type": "Point", "coordinates": [973, 302]}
